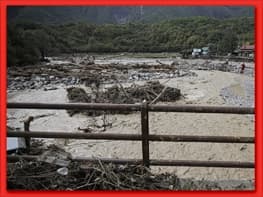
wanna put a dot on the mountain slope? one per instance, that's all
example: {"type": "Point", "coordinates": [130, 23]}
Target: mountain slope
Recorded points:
{"type": "Point", "coordinates": [120, 14]}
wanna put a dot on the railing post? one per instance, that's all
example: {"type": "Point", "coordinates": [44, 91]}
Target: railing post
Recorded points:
{"type": "Point", "coordinates": [26, 129]}
{"type": "Point", "coordinates": [145, 133]}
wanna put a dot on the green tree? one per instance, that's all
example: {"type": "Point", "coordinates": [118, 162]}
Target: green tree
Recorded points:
{"type": "Point", "coordinates": [42, 42]}
{"type": "Point", "coordinates": [228, 43]}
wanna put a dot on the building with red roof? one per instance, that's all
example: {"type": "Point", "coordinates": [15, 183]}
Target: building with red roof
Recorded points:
{"type": "Point", "coordinates": [247, 51]}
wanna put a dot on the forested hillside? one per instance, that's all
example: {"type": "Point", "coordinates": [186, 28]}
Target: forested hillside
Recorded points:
{"type": "Point", "coordinates": [29, 42]}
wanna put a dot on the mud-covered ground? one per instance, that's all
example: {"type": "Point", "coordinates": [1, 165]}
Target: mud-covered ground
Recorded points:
{"type": "Point", "coordinates": [202, 82]}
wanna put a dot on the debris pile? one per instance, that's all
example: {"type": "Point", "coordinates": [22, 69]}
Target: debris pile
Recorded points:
{"type": "Point", "coordinates": [77, 95]}
{"type": "Point", "coordinates": [127, 95]}
{"type": "Point", "coordinates": [55, 169]}
{"type": "Point", "coordinates": [88, 60]}
{"type": "Point", "coordinates": [152, 91]}
{"type": "Point", "coordinates": [36, 175]}
{"type": "Point", "coordinates": [50, 75]}
{"type": "Point", "coordinates": [137, 93]}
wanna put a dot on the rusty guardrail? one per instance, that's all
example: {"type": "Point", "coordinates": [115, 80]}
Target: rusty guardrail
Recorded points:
{"type": "Point", "coordinates": [131, 137]}
{"type": "Point", "coordinates": [145, 137]}
{"type": "Point", "coordinates": [134, 107]}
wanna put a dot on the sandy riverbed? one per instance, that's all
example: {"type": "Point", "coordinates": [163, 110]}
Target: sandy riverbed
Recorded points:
{"type": "Point", "coordinates": [205, 89]}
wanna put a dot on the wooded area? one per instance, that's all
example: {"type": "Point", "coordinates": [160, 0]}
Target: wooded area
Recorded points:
{"type": "Point", "coordinates": [29, 42]}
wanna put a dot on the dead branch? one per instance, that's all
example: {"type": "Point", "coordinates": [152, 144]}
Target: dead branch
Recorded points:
{"type": "Point", "coordinates": [158, 97]}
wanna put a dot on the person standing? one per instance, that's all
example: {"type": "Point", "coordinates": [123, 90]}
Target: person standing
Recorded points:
{"type": "Point", "coordinates": [242, 68]}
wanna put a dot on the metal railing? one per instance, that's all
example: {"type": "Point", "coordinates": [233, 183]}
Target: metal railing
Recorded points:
{"type": "Point", "coordinates": [144, 137]}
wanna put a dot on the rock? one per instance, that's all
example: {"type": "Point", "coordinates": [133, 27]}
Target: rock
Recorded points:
{"type": "Point", "coordinates": [50, 88]}
{"type": "Point", "coordinates": [46, 82]}
{"type": "Point", "coordinates": [28, 84]}
{"type": "Point", "coordinates": [17, 79]}
{"type": "Point", "coordinates": [44, 75]}
{"type": "Point", "coordinates": [175, 63]}
{"type": "Point", "coordinates": [38, 84]}
{"type": "Point", "coordinates": [37, 78]}
{"type": "Point", "coordinates": [62, 171]}
{"type": "Point", "coordinates": [43, 78]}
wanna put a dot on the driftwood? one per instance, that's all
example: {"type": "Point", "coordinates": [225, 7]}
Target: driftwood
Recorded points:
{"type": "Point", "coordinates": [151, 91]}
{"type": "Point", "coordinates": [158, 61]}
{"type": "Point", "coordinates": [47, 174]}
{"type": "Point", "coordinates": [38, 175]}
{"type": "Point", "coordinates": [123, 90]}
{"type": "Point", "coordinates": [158, 96]}
{"type": "Point", "coordinates": [31, 118]}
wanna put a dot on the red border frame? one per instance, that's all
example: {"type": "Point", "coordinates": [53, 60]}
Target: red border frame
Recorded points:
{"type": "Point", "coordinates": [258, 4]}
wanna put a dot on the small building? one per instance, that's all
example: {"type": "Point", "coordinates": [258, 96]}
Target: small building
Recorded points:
{"type": "Point", "coordinates": [247, 51]}
{"type": "Point", "coordinates": [200, 52]}
{"type": "Point", "coordinates": [196, 52]}
{"type": "Point", "coordinates": [205, 51]}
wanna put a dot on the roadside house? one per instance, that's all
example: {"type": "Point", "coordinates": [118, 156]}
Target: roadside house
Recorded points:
{"type": "Point", "coordinates": [247, 51]}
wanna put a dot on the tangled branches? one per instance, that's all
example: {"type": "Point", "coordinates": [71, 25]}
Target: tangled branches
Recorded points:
{"type": "Point", "coordinates": [38, 175]}
{"type": "Point", "coordinates": [152, 91]}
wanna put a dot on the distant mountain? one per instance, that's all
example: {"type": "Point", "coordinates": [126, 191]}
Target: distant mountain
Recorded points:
{"type": "Point", "coordinates": [120, 14]}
